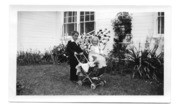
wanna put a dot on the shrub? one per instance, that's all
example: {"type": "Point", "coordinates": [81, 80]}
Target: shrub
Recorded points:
{"type": "Point", "coordinates": [146, 63]}
{"type": "Point", "coordinates": [28, 58]}
{"type": "Point", "coordinates": [46, 58]}
{"type": "Point", "coordinates": [122, 27]}
{"type": "Point", "coordinates": [56, 55]}
{"type": "Point", "coordinates": [112, 65]}
{"type": "Point", "coordinates": [59, 54]}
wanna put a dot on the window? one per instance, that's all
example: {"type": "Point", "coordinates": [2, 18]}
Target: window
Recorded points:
{"type": "Point", "coordinates": [160, 22]}
{"type": "Point", "coordinates": [85, 19]}
{"type": "Point", "coordinates": [87, 23]}
{"type": "Point", "coordinates": [70, 22]}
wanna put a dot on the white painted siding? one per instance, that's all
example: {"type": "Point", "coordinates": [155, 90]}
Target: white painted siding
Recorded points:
{"type": "Point", "coordinates": [104, 20]}
{"type": "Point", "coordinates": [38, 30]}
{"type": "Point", "coordinates": [142, 27]}
{"type": "Point", "coordinates": [43, 30]}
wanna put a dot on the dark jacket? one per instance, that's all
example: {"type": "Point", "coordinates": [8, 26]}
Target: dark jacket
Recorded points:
{"type": "Point", "coordinates": [70, 49]}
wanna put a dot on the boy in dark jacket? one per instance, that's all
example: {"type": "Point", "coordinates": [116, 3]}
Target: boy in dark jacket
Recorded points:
{"type": "Point", "coordinates": [73, 47]}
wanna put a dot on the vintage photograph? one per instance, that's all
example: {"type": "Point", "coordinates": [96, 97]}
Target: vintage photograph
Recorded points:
{"type": "Point", "coordinates": [90, 52]}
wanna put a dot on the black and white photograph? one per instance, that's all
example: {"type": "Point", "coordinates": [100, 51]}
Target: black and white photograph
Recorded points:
{"type": "Point", "coordinates": [90, 51]}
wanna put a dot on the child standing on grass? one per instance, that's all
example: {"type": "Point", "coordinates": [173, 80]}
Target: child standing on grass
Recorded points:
{"type": "Point", "coordinates": [73, 47]}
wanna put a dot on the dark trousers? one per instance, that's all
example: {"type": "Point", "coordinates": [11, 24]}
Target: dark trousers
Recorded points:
{"type": "Point", "coordinates": [73, 76]}
{"type": "Point", "coordinates": [73, 64]}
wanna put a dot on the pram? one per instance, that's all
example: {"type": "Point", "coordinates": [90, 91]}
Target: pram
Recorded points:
{"type": "Point", "coordinates": [88, 72]}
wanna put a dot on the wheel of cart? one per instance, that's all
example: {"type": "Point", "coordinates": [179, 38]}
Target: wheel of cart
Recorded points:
{"type": "Point", "coordinates": [102, 83]}
{"type": "Point", "coordinates": [93, 86]}
{"type": "Point", "coordinates": [79, 83]}
{"type": "Point", "coordinates": [88, 73]}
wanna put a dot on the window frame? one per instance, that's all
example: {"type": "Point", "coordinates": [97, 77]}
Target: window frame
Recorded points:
{"type": "Point", "coordinates": [77, 22]}
{"type": "Point", "coordinates": [86, 13]}
{"type": "Point", "coordinates": [66, 22]}
{"type": "Point", "coordinates": [160, 16]}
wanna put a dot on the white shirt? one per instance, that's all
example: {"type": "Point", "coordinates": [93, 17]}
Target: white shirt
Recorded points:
{"type": "Point", "coordinates": [95, 50]}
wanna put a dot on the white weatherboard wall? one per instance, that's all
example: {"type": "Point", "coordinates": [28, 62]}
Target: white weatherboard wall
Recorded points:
{"type": "Point", "coordinates": [38, 30]}
{"type": "Point", "coordinates": [142, 27]}
{"type": "Point", "coordinates": [43, 30]}
{"type": "Point", "coordinates": [104, 20]}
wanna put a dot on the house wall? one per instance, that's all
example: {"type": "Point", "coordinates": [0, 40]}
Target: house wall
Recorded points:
{"type": "Point", "coordinates": [43, 30]}
{"type": "Point", "coordinates": [104, 20]}
{"type": "Point", "coordinates": [143, 25]}
{"type": "Point", "coordinates": [38, 30]}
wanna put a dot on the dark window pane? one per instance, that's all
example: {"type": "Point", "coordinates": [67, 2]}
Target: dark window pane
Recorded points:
{"type": "Point", "coordinates": [74, 13]}
{"type": "Point", "coordinates": [64, 20]}
{"type": "Point", "coordinates": [92, 17]}
{"type": "Point", "coordinates": [81, 13]}
{"type": "Point", "coordinates": [87, 18]}
{"type": "Point", "coordinates": [162, 13]}
{"type": "Point", "coordinates": [70, 13]}
{"type": "Point", "coordinates": [92, 13]}
{"type": "Point", "coordinates": [158, 13]}
{"type": "Point", "coordinates": [81, 28]}
{"type": "Point", "coordinates": [72, 19]}
{"type": "Point", "coordinates": [87, 13]}
{"type": "Point", "coordinates": [89, 26]}
{"type": "Point", "coordinates": [82, 18]}
{"type": "Point", "coordinates": [158, 25]}
{"type": "Point", "coordinates": [70, 28]}
{"type": "Point", "coordinates": [162, 25]}
{"type": "Point", "coordinates": [69, 19]}
{"type": "Point", "coordinates": [65, 14]}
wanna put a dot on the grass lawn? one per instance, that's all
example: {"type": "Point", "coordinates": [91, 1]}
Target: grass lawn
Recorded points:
{"type": "Point", "coordinates": [54, 80]}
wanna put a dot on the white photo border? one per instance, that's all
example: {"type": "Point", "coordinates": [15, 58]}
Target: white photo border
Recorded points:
{"type": "Point", "coordinates": [63, 98]}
